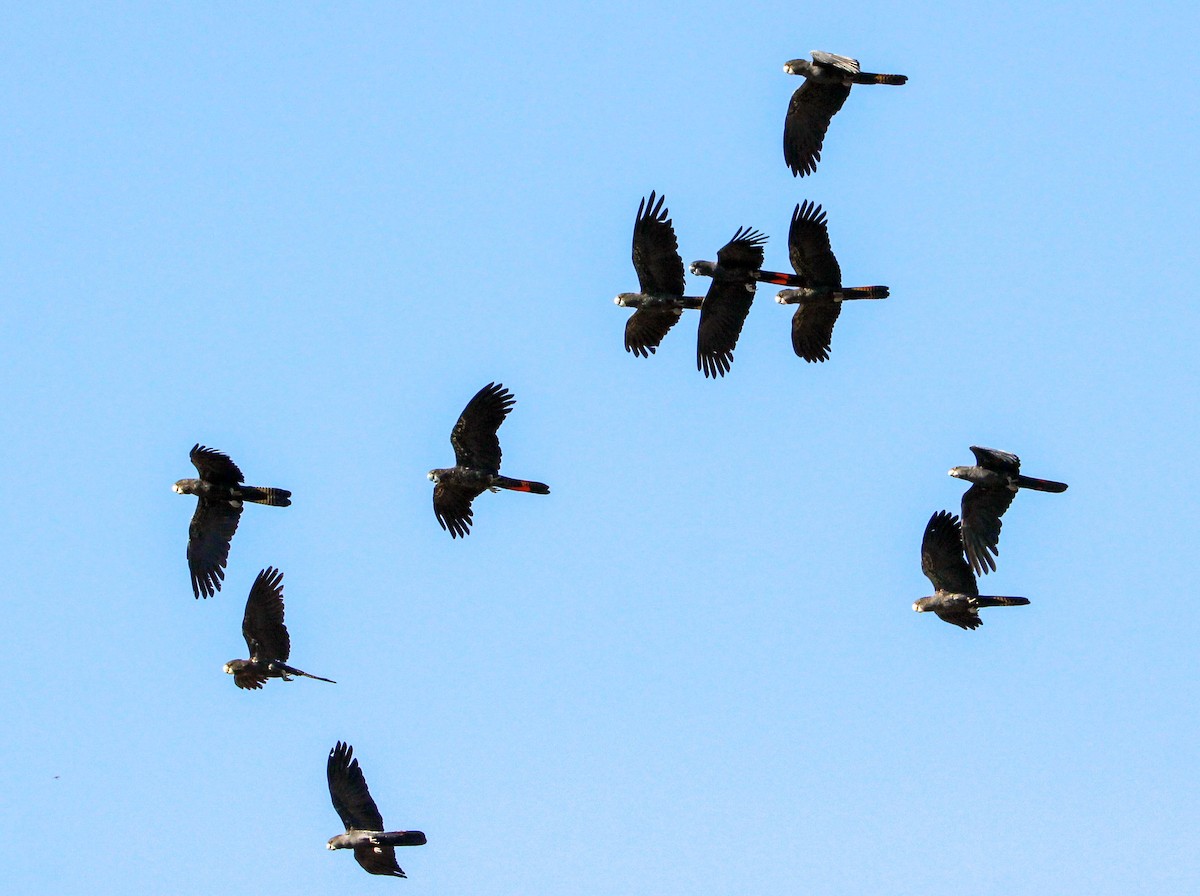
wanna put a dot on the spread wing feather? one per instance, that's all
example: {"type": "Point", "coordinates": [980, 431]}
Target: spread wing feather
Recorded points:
{"type": "Point", "coordinates": [655, 250]}
{"type": "Point", "coordinates": [646, 327]}
{"type": "Point", "coordinates": [348, 789]}
{"type": "Point", "coordinates": [262, 625]}
{"type": "Point", "coordinates": [942, 558]}
{"type": "Point", "coordinates": [452, 507]}
{"type": "Point", "coordinates": [812, 107]}
{"type": "Point", "coordinates": [474, 435]}
{"type": "Point", "coordinates": [214, 466]}
{"type": "Point", "coordinates": [812, 328]}
{"type": "Point", "coordinates": [728, 301]}
{"type": "Point", "coordinates": [809, 249]}
{"type": "Point", "coordinates": [209, 534]}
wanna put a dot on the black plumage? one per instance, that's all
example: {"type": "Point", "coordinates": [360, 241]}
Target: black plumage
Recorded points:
{"type": "Point", "coordinates": [660, 302]}
{"type": "Point", "coordinates": [995, 479]}
{"type": "Point", "coordinates": [956, 597]}
{"type": "Point", "coordinates": [827, 82]}
{"type": "Point", "coordinates": [477, 458]}
{"type": "Point", "coordinates": [728, 299]}
{"type": "Point", "coordinates": [374, 848]}
{"type": "Point", "coordinates": [220, 494]}
{"type": "Point", "coordinates": [266, 636]}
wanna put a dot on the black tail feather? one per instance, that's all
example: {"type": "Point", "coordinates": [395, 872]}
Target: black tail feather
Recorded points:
{"type": "Point", "coordinates": [1041, 485]}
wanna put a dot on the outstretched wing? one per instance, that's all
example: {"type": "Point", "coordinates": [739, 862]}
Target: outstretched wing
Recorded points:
{"type": "Point", "coordinates": [214, 466]}
{"type": "Point", "coordinates": [812, 328]}
{"type": "Point", "coordinates": [348, 790]}
{"type": "Point", "coordinates": [808, 116]}
{"type": "Point", "coordinates": [209, 535]}
{"type": "Point", "coordinates": [845, 63]}
{"type": "Point", "coordinates": [728, 301]}
{"type": "Point", "coordinates": [262, 624]}
{"type": "Point", "coordinates": [655, 250]}
{"type": "Point", "coordinates": [982, 507]}
{"type": "Point", "coordinates": [378, 860]}
{"type": "Point", "coordinates": [1000, 461]}
{"type": "Point", "coordinates": [942, 558]}
{"type": "Point", "coordinates": [809, 249]}
{"type": "Point", "coordinates": [452, 506]}
{"type": "Point", "coordinates": [646, 328]}
{"type": "Point", "coordinates": [249, 679]}
{"type": "Point", "coordinates": [474, 435]}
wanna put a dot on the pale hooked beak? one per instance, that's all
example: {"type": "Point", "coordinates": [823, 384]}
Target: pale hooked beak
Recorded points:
{"type": "Point", "coordinates": [176, 489]}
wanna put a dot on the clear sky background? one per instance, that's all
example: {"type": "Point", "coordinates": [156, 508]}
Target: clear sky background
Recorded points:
{"type": "Point", "coordinates": [306, 234]}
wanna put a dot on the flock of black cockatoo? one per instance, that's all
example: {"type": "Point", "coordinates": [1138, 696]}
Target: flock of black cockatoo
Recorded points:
{"type": "Point", "coordinates": [952, 552]}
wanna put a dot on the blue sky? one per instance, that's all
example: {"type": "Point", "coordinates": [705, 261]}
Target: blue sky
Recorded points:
{"type": "Point", "coordinates": [307, 234]}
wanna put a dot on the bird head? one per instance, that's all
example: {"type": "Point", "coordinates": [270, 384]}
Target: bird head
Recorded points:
{"type": "Point", "coordinates": [787, 296]}
{"type": "Point", "coordinates": [797, 66]}
{"type": "Point", "coordinates": [958, 472]}
{"type": "Point", "coordinates": [919, 606]}
{"type": "Point", "coordinates": [433, 477]}
{"type": "Point", "coordinates": [622, 299]}
{"type": "Point", "coordinates": [177, 488]}
{"type": "Point", "coordinates": [702, 268]}
{"type": "Point", "coordinates": [228, 667]}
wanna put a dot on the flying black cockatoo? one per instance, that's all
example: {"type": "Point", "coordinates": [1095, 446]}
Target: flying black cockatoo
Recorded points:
{"type": "Point", "coordinates": [221, 495]}
{"type": "Point", "coordinates": [819, 280]}
{"type": "Point", "coordinates": [477, 461]}
{"type": "Point", "coordinates": [374, 848]}
{"type": "Point", "coordinates": [728, 299]}
{"type": "Point", "coordinates": [956, 597]}
{"type": "Point", "coordinates": [266, 636]}
{"type": "Point", "coordinates": [827, 81]}
{"type": "Point", "coordinates": [994, 480]}
{"type": "Point", "coordinates": [661, 301]}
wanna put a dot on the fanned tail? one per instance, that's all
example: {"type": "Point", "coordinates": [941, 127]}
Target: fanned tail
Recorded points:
{"type": "Point", "coordinates": [872, 78]}
{"type": "Point", "coordinates": [865, 292]}
{"type": "Point", "coordinates": [521, 485]}
{"type": "Point", "coordinates": [274, 497]}
{"type": "Point", "coordinates": [994, 601]}
{"type": "Point", "coordinates": [1041, 485]}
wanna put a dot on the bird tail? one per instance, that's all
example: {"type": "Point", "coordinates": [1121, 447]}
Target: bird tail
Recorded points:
{"type": "Point", "coordinates": [872, 78]}
{"type": "Point", "coordinates": [779, 279]}
{"type": "Point", "coordinates": [865, 292]}
{"type": "Point", "coordinates": [292, 670]}
{"type": "Point", "coordinates": [398, 838]}
{"type": "Point", "coordinates": [521, 485]}
{"type": "Point", "coordinates": [996, 601]}
{"type": "Point", "coordinates": [1041, 485]}
{"type": "Point", "coordinates": [275, 497]}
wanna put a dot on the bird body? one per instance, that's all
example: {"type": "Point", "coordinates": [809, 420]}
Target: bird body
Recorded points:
{"type": "Point", "coordinates": [995, 479]}
{"type": "Point", "coordinates": [266, 636]}
{"type": "Point", "coordinates": [660, 301]}
{"type": "Point", "coordinates": [956, 598]}
{"type": "Point", "coordinates": [827, 82]}
{"type": "Point", "coordinates": [220, 496]}
{"type": "Point", "coordinates": [728, 300]}
{"type": "Point", "coordinates": [374, 848]}
{"type": "Point", "coordinates": [477, 453]}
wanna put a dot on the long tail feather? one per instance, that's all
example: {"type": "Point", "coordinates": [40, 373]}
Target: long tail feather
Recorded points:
{"type": "Point", "coordinates": [292, 670]}
{"type": "Point", "coordinates": [1041, 485]}
{"type": "Point", "coordinates": [994, 601]}
{"type": "Point", "coordinates": [399, 838]}
{"type": "Point", "coordinates": [872, 78]}
{"type": "Point", "coordinates": [274, 497]}
{"type": "Point", "coordinates": [865, 292]}
{"type": "Point", "coordinates": [778, 279]}
{"type": "Point", "coordinates": [522, 485]}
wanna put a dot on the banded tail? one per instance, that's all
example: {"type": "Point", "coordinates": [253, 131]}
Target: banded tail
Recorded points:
{"type": "Point", "coordinates": [865, 292]}
{"type": "Point", "coordinates": [274, 497]}
{"type": "Point", "coordinates": [398, 838]}
{"type": "Point", "coordinates": [993, 601]}
{"type": "Point", "coordinates": [778, 279]}
{"type": "Point", "coordinates": [1041, 485]}
{"type": "Point", "coordinates": [521, 485]}
{"type": "Point", "coordinates": [872, 78]}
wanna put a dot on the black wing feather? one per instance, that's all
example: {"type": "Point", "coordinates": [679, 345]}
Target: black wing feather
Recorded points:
{"type": "Point", "coordinates": [474, 435]}
{"type": "Point", "coordinates": [348, 789]}
{"type": "Point", "coordinates": [812, 328]}
{"type": "Point", "coordinates": [982, 508]}
{"type": "Point", "coordinates": [655, 250]}
{"type": "Point", "coordinates": [452, 507]}
{"type": "Point", "coordinates": [808, 117]}
{"type": "Point", "coordinates": [646, 327]}
{"type": "Point", "coordinates": [215, 467]}
{"type": "Point", "coordinates": [262, 625]}
{"type": "Point", "coordinates": [209, 534]}
{"type": "Point", "coordinates": [728, 301]}
{"type": "Point", "coordinates": [942, 558]}
{"type": "Point", "coordinates": [809, 249]}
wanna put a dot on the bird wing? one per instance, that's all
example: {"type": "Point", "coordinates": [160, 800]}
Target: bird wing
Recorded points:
{"type": "Point", "coordinates": [249, 679]}
{"type": "Point", "coordinates": [215, 467]}
{"type": "Point", "coordinates": [655, 250]}
{"type": "Point", "coordinates": [452, 507]}
{"type": "Point", "coordinates": [942, 558]}
{"type": "Point", "coordinates": [959, 614]}
{"type": "Point", "coordinates": [209, 534]}
{"type": "Point", "coordinates": [982, 507]}
{"type": "Point", "coordinates": [474, 435]}
{"type": "Point", "coordinates": [348, 790]}
{"type": "Point", "coordinates": [809, 249]}
{"type": "Point", "coordinates": [812, 328]}
{"type": "Point", "coordinates": [728, 301]}
{"type": "Point", "coordinates": [812, 107]}
{"type": "Point", "coordinates": [1000, 461]}
{"type": "Point", "coordinates": [378, 859]}
{"type": "Point", "coordinates": [262, 625]}
{"type": "Point", "coordinates": [845, 63]}
{"type": "Point", "coordinates": [646, 328]}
